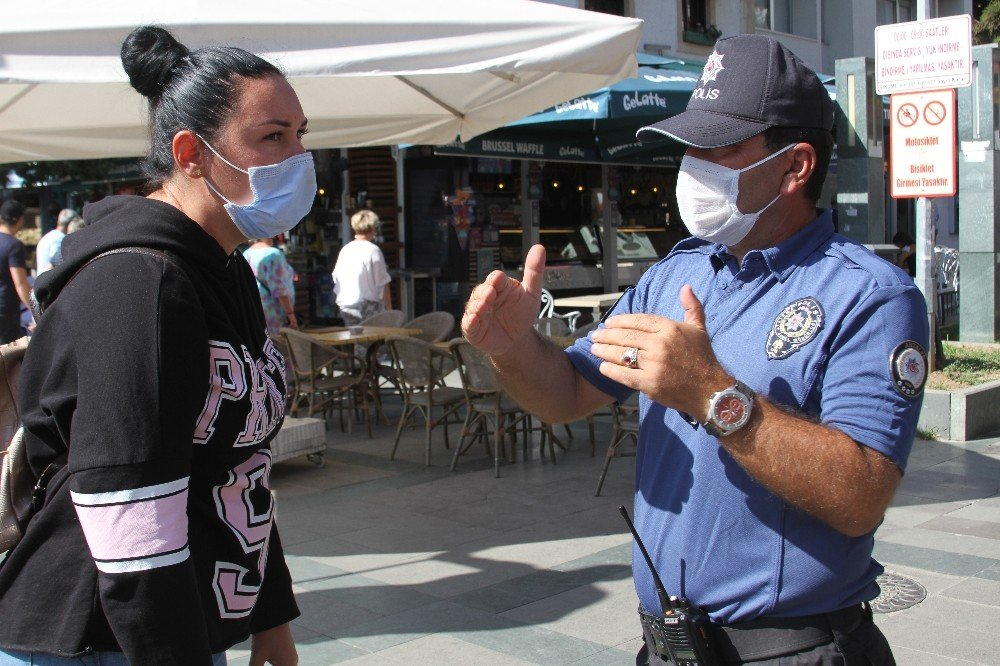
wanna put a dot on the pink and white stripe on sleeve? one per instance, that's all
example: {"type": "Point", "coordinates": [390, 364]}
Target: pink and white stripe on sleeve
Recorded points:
{"type": "Point", "coordinates": [138, 529]}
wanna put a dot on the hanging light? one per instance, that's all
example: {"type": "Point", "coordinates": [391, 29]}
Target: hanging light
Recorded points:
{"type": "Point", "coordinates": [500, 185]}
{"type": "Point", "coordinates": [321, 192]}
{"type": "Point", "coordinates": [580, 188]}
{"type": "Point", "coordinates": [632, 191]}
{"type": "Point", "coordinates": [655, 189]}
{"type": "Point", "coordinates": [555, 183]}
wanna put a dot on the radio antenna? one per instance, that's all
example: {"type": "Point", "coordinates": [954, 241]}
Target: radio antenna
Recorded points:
{"type": "Point", "coordinates": [665, 600]}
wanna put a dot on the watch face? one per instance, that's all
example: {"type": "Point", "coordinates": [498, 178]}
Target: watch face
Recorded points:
{"type": "Point", "coordinates": [730, 409]}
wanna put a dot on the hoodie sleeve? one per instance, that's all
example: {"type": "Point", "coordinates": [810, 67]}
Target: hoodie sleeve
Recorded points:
{"type": "Point", "coordinates": [142, 361]}
{"type": "Point", "coordinates": [276, 604]}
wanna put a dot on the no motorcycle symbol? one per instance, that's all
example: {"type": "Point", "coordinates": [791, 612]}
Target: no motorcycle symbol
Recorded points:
{"type": "Point", "coordinates": [907, 115]}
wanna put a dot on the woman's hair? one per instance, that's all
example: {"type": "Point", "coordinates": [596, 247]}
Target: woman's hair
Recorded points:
{"type": "Point", "coordinates": [364, 222]}
{"type": "Point", "coordinates": [187, 90]}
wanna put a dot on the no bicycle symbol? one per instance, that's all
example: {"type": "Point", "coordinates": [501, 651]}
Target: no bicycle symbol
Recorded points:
{"type": "Point", "coordinates": [907, 115]}
{"type": "Point", "coordinates": [935, 113]}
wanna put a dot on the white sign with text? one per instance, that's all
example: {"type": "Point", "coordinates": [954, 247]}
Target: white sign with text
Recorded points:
{"type": "Point", "coordinates": [923, 55]}
{"type": "Point", "coordinates": [922, 144]}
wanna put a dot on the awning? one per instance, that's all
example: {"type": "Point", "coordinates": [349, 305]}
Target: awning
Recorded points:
{"type": "Point", "coordinates": [599, 126]}
{"type": "Point", "coordinates": [367, 72]}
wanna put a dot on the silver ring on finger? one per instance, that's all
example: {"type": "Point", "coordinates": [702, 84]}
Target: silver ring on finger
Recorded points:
{"type": "Point", "coordinates": [630, 358]}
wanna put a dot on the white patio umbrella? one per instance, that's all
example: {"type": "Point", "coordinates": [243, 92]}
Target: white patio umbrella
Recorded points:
{"type": "Point", "coordinates": [368, 72]}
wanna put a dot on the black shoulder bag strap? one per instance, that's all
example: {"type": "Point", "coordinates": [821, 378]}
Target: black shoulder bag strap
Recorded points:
{"type": "Point", "coordinates": [38, 494]}
{"type": "Point", "coordinates": [36, 307]}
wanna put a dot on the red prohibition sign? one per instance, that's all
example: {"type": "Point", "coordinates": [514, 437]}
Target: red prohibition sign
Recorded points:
{"type": "Point", "coordinates": [907, 115]}
{"type": "Point", "coordinates": [935, 113]}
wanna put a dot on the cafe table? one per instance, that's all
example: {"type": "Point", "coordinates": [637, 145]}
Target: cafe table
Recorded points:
{"type": "Point", "coordinates": [356, 335]}
{"type": "Point", "coordinates": [372, 336]}
{"type": "Point", "coordinates": [597, 302]}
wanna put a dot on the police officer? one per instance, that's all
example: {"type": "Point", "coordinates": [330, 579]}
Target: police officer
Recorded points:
{"type": "Point", "coordinates": [780, 368]}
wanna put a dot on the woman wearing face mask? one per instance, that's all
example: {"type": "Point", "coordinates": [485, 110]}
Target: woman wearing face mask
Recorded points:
{"type": "Point", "coordinates": [152, 389]}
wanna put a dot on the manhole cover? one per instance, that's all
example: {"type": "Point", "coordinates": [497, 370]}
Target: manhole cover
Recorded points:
{"type": "Point", "coordinates": [898, 592]}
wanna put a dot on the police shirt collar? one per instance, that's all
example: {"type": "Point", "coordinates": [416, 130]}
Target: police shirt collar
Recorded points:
{"type": "Point", "coordinates": [790, 253]}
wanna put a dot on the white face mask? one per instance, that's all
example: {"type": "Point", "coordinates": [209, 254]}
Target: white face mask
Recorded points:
{"type": "Point", "coordinates": [283, 194]}
{"type": "Point", "coordinates": [706, 197]}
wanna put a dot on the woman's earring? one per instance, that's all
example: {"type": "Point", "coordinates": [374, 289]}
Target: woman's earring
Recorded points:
{"type": "Point", "coordinates": [197, 172]}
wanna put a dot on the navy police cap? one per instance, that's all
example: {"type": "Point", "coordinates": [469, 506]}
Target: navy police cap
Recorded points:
{"type": "Point", "coordinates": [750, 83]}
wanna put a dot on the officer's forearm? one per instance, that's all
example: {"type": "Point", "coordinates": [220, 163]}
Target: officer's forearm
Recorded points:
{"type": "Point", "coordinates": [815, 468]}
{"type": "Point", "coordinates": [538, 375]}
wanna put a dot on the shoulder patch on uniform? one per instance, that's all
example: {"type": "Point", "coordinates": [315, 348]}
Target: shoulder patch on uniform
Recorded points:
{"type": "Point", "coordinates": [794, 327]}
{"type": "Point", "coordinates": [908, 368]}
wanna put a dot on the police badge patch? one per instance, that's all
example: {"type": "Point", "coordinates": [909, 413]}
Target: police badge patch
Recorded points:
{"type": "Point", "coordinates": [908, 368]}
{"type": "Point", "coordinates": [794, 327]}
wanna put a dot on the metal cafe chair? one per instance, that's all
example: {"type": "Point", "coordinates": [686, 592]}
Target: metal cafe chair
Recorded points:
{"type": "Point", "coordinates": [551, 326]}
{"type": "Point", "coordinates": [325, 376]}
{"type": "Point", "coordinates": [380, 364]}
{"type": "Point", "coordinates": [434, 326]}
{"type": "Point", "coordinates": [420, 367]}
{"type": "Point", "coordinates": [489, 409]}
{"type": "Point", "coordinates": [291, 389]}
{"type": "Point", "coordinates": [387, 318]}
{"type": "Point", "coordinates": [625, 418]}
{"type": "Point", "coordinates": [548, 309]}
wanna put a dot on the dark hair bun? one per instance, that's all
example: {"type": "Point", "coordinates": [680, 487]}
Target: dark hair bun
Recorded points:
{"type": "Point", "coordinates": [149, 54]}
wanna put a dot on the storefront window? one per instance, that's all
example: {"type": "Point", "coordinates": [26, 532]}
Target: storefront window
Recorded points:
{"type": "Point", "coordinates": [698, 27]}
{"type": "Point", "coordinates": [795, 17]}
{"type": "Point", "coordinates": [616, 7]}
{"type": "Point", "coordinates": [893, 11]}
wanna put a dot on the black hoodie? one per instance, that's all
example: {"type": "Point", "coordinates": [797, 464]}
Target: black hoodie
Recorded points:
{"type": "Point", "coordinates": [157, 538]}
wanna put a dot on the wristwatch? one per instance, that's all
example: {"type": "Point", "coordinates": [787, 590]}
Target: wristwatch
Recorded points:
{"type": "Point", "coordinates": [729, 410]}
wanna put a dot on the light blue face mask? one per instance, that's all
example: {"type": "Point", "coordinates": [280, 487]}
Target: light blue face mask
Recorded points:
{"type": "Point", "coordinates": [283, 194]}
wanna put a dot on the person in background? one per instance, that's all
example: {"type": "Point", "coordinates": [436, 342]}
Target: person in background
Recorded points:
{"type": "Point", "coordinates": [907, 257]}
{"type": "Point", "coordinates": [360, 278]}
{"type": "Point", "coordinates": [75, 225]}
{"type": "Point", "coordinates": [275, 282]}
{"type": "Point", "coordinates": [48, 247]}
{"type": "Point", "coordinates": [152, 385]}
{"type": "Point", "coordinates": [15, 289]}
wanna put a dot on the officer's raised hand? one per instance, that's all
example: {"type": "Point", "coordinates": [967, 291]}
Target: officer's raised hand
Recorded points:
{"type": "Point", "coordinates": [501, 310]}
{"type": "Point", "coordinates": [674, 363]}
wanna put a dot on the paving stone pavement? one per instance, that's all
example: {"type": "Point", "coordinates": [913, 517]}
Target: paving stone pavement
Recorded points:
{"type": "Point", "coordinates": [396, 562]}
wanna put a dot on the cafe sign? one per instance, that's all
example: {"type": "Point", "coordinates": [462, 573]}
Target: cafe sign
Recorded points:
{"type": "Point", "coordinates": [520, 149]}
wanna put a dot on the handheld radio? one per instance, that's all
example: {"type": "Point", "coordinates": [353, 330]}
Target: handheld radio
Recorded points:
{"type": "Point", "coordinates": [682, 633]}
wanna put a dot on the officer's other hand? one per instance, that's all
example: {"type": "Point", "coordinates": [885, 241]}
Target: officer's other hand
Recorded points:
{"type": "Point", "coordinates": [676, 365]}
{"type": "Point", "coordinates": [501, 310]}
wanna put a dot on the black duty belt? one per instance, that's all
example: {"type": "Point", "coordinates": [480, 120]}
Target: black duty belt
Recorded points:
{"type": "Point", "coordinates": [767, 637]}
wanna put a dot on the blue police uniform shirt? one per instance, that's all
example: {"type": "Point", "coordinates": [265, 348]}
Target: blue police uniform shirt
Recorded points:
{"type": "Point", "coordinates": [817, 323]}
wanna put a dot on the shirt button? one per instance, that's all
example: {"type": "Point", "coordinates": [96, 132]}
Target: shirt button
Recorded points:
{"type": "Point", "coordinates": [725, 286]}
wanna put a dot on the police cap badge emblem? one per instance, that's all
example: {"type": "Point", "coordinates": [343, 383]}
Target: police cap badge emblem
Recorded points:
{"type": "Point", "coordinates": [794, 327]}
{"type": "Point", "coordinates": [908, 368]}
